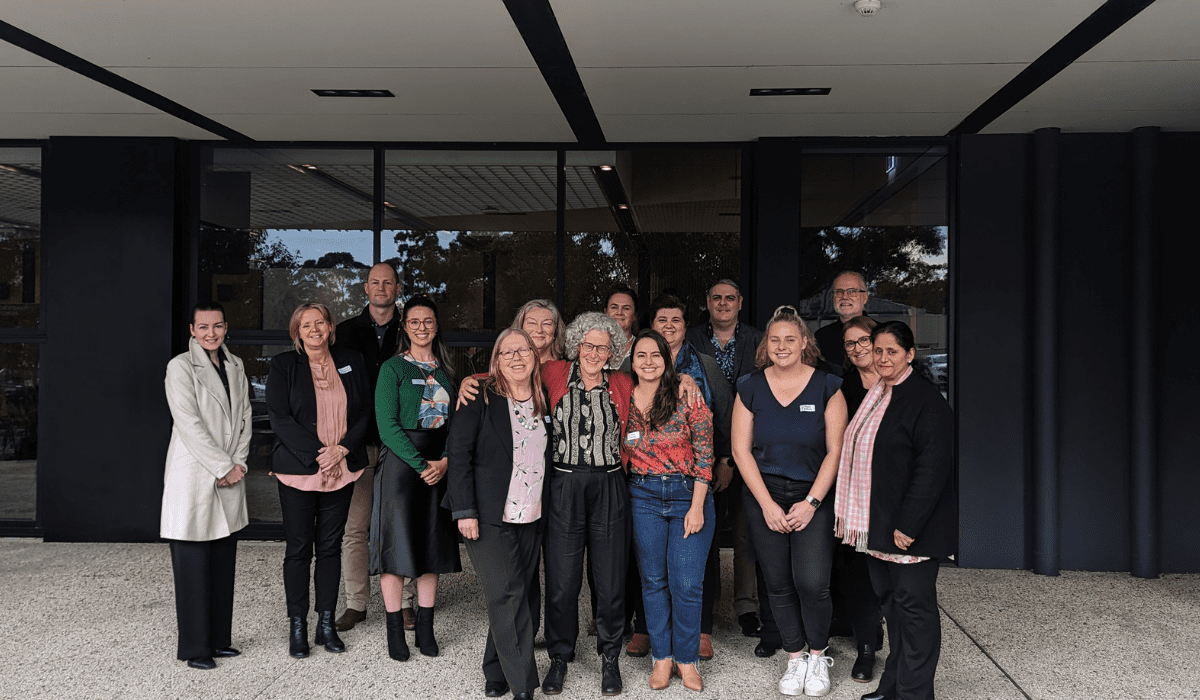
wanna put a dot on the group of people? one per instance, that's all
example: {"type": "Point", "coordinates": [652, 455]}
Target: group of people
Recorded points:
{"type": "Point", "coordinates": [602, 451]}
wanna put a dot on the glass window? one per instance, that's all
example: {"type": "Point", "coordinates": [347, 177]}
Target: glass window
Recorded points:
{"type": "Point", "coordinates": [474, 230]}
{"type": "Point", "coordinates": [884, 214]}
{"type": "Point", "coordinates": [281, 227]}
{"type": "Point", "coordinates": [20, 236]}
{"type": "Point", "coordinates": [18, 430]}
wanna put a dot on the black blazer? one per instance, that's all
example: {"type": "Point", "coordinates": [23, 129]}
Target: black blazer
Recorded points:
{"type": "Point", "coordinates": [292, 408]}
{"type": "Point", "coordinates": [748, 337]}
{"type": "Point", "coordinates": [357, 333]}
{"type": "Point", "coordinates": [480, 449]}
{"type": "Point", "coordinates": [913, 487]}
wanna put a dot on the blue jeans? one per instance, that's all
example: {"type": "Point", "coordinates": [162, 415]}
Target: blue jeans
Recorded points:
{"type": "Point", "coordinates": [672, 567]}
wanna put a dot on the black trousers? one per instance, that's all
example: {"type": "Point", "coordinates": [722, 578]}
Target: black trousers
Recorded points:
{"type": "Point", "coordinates": [203, 594]}
{"type": "Point", "coordinates": [313, 520]}
{"type": "Point", "coordinates": [908, 596]}
{"type": "Point", "coordinates": [854, 599]}
{"type": "Point", "coordinates": [712, 567]}
{"type": "Point", "coordinates": [505, 558]}
{"type": "Point", "coordinates": [795, 565]}
{"type": "Point", "coordinates": [592, 507]}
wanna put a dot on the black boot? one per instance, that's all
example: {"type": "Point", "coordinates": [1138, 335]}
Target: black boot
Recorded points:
{"type": "Point", "coordinates": [397, 644]}
{"type": "Point", "coordinates": [327, 633]}
{"type": "Point", "coordinates": [298, 636]}
{"type": "Point", "coordinates": [425, 640]}
{"type": "Point", "coordinates": [864, 665]}
{"type": "Point", "coordinates": [554, 676]}
{"type": "Point", "coordinates": [610, 676]}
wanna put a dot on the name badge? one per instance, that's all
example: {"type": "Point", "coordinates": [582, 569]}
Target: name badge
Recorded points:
{"type": "Point", "coordinates": [419, 382]}
{"type": "Point", "coordinates": [547, 419]}
{"type": "Point", "coordinates": [344, 370]}
{"type": "Point", "coordinates": [808, 408]}
{"type": "Point", "coordinates": [633, 436]}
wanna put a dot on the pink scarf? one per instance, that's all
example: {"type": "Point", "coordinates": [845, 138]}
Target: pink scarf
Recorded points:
{"type": "Point", "coordinates": [852, 511]}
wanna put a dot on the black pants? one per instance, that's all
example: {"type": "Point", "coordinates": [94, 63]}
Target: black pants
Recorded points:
{"type": "Point", "coordinates": [712, 567]}
{"type": "Point", "coordinates": [908, 595]}
{"type": "Point", "coordinates": [795, 565]}
{"type": "Point", "coordinates": [854, 599]}
{"type": "Point", "coordinates": [203, 594]}
{"type": "Point", "coordinates": [592, 507]}
{"type": "Point", "coordinates": [313, 520]}
{"type": "Point", "coordinates": [505, 558]}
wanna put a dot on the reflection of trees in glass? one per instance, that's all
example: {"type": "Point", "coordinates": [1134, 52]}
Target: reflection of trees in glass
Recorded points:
{"type": "Point", "coordinates": [479, 278]}
{"type": "Point", "coordinates": [595, 263]}
{"type": "Point", "coordinates": [901, 261]}
{"type": "Point", "coordinates": [18, 400]}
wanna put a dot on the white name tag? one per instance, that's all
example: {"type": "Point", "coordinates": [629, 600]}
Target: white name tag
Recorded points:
{"type": "Point", "coordinates": [547, 419]}
{"type": "Point", "coordinates": [344, 370]}
{"type": "Point", "coordinates": [633, 436]}
{"type": "Point", "coordinates": [808, 408]}
{"type": "Point", "coordinates": [419, 382]}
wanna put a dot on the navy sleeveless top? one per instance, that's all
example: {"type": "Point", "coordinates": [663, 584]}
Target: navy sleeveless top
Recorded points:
{"type": "Point", "coordinates": [789, 441]}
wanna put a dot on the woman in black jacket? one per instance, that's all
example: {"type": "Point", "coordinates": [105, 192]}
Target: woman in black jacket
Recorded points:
{"type": "Point", "coordinates": [897, 501]}
{"type": "Point", "coordinates": [499, 451]}
{"type": "Point", "coordinates": [319, 404]}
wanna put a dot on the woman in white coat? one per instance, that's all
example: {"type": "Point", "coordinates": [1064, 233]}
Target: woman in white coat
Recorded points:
{"type": "Point", "coordinates": [204, 495]}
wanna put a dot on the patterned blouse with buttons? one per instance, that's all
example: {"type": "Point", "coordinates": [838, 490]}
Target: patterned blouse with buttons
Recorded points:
{"type": "Point", "coordinates": [684, 445]}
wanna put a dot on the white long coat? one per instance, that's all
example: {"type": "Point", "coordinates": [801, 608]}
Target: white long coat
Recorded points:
{"type": "Point", "coordinates": [209, 437]}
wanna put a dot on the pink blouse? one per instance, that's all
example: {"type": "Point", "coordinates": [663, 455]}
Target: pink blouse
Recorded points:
{"type": "Point", "coordinates": [331, 428]}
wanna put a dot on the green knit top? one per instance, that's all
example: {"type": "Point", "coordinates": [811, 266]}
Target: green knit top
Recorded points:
{"type": "Point", "coordinates": [398, 405]}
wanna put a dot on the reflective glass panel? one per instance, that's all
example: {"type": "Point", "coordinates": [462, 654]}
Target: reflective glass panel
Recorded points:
{"type": "Point", "coordinates": [18, 430]}
{"type": "Point", "coordinates": [20, 236]}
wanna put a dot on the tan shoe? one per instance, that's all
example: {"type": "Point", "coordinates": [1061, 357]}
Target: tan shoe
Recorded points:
{"type": "Point", "coordinates": [410, 618]}
{"type": "Point", "coordinates": [639, 645]}
{"type": "Point", "coordinates": [660, 677]}
{"type": "Point", "coordinates": [706, 648]}
{"type": "Point", "coordinates": [691, 677]}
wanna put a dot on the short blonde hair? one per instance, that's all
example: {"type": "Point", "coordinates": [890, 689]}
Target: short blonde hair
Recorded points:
{"type": "Point", "coordinates": [294, 324]}
{"type": "Point", "coordinates": [558, 346]}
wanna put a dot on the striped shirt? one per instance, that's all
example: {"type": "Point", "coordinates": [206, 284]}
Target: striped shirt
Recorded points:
{"type": "Point", "coordinates": [587, 428]}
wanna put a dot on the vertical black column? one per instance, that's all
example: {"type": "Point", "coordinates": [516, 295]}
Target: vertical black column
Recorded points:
{"type": "Point", "coordinates": [109, 240]}
{"type": "Point", "coordinates": [560, 234]}
{"type": "Point", "coordinates": [748, 247]}
{"type": "Point", "coordinates": [1045, 353]}
{"type": "Point", "coordinates": [377, 200]}
{"type": "Point", "coordinates": [777, 278]}
{"type": "Point", "coordinates": [1144, 330]}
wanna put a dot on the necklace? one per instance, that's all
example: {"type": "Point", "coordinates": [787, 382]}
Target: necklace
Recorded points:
{"type": "Point", "coordinates": [527, 422]}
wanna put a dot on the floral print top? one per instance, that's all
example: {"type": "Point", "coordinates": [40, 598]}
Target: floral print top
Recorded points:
{"type": "Point", "coordinates": [524, 501]}
{"type": "Point", "coordinates": [435, 400]}
{"type": "Point", "coordinates": [684, 445]}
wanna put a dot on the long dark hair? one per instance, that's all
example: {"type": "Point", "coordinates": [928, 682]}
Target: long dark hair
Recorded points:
{"type": "Point", "coordinates": [905, 339]}
{"type": "Point", "coordinates": [668, 386]}
{"type": "Point", "coordinates": [440, 351]}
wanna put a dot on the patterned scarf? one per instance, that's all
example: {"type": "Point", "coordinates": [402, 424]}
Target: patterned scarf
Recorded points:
{"type": "Point", "coordinates": [852, 511]}
{"type": "Point", "coordinates": [688, 362]}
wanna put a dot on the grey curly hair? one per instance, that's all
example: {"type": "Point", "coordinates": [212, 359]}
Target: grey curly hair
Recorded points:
{"type": "Point", "coordinates": [596, 321]}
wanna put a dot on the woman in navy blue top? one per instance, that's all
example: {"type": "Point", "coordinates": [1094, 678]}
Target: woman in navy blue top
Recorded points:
{"type": "Point", "coordinates": [788, 422]}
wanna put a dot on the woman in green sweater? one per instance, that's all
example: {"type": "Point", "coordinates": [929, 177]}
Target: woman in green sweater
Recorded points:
{"type": "Point", "coordinates": [411, 535]}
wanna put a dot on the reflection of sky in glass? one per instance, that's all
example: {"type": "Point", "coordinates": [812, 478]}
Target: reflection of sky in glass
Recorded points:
{"type": "Point", "coordinates": [312, 244]}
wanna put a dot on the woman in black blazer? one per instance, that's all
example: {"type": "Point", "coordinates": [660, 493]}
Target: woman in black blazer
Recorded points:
{"type": "Point", "coordinates": [897, 501]}
{"type": "Point", "coordinates": [499, 451]}
{"type": "Point", "coordinates": [319, 403]}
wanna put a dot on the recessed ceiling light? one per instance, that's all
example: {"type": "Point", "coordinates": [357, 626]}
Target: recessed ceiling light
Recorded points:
{"type": "Point", "coordinates": [606, 167]}
{"type": "Point", "coordinates": [353, 93]}
{"type": "Point", "coordinates": [622, 206]}
{"type": "Point", "coordinates": [310, 167]}
{"type": "Point", "coordinates": [775, 92]}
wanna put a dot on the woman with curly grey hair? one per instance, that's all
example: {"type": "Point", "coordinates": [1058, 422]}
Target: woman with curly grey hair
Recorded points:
{"type": "Point", "coordinates": [589, 500]}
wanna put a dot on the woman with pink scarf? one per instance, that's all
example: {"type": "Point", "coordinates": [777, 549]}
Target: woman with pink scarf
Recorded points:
{"type": "Point", "coordinates": [898, 502]}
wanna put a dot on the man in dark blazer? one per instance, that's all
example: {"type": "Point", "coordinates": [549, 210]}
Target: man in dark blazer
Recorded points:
{"type": "Point", "coordinates": [375, 334]}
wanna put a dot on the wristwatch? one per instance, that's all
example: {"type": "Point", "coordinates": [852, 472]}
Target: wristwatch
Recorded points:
{"type": "Point", "coordinates": [815, 502]}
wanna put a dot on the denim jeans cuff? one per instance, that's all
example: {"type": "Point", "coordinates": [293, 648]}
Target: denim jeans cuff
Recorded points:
{"type": "Point", "coordinates": [665, 658]}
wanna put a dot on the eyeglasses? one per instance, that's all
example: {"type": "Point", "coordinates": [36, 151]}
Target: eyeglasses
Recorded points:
{"type": "Point", "coordinates": [508, 355]}
{"type": "Point", "coordinates": [415, 323]}
{"type": "Point", "coordinates": [588, 349]}
{"type": "Point", "coordinates": [848, 292]}
{"type": "Point", "coordinates": [864, 342]}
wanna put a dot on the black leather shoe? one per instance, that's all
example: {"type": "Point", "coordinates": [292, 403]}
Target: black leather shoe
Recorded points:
{"type": "Point", "coordinates": [554, 676]}
{"type": "Point", "coordinates": [204, 663]}
{"type": "Point", "coordinates": [350, 617]}
{"type": "Point", "coordinates": [495, 689]}
{"type": "Point", "coordinates": [327, 633]}
{"type": "Point", "coordinates": [298, 637]}
{"type": "Point", "coordinates": [767, 647]}
{"type": "Point", "coordinates": [523, 696]}
{"type": "Point", "coordinates": [226, 652]}
{"type": "Point", "coordinates": [610, 676]}
{"type": "Point", "coordinates": [876, 696]}
{"type": "Point", "coordinates": [397, 644]}
{"type": "Point", "coordinates": [749, 624]}
{"type": "Point", "coordinates": [864, 665]}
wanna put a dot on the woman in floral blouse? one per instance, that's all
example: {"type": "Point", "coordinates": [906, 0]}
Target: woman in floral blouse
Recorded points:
{"type": "Point", "coordinates": [670, 450]}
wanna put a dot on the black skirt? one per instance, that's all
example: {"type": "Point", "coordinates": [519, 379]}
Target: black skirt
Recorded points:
{"type": "Point", "coordinates": [411, 534]}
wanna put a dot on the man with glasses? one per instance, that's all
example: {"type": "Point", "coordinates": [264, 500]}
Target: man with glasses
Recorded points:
{"type": "Point", "coordinates": [849, 300]}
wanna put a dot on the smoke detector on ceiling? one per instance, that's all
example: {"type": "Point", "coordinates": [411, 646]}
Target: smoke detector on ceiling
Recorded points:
{"type": "Point", "coordinates": [867, 8]}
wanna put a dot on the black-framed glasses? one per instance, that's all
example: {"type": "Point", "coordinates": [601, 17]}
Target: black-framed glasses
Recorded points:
{"type": "Point", "coordinates": [864, 342]}
{"type": "Point", "coordinates": [588, 349]}
{"type": "Point", "coordinates": [851, 292]}
{"type": "Point", "coordinates": [415, 323]}
{"type": "Point", "coordinates": [508, 355]}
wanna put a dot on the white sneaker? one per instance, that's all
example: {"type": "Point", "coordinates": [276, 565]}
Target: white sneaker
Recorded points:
{"type": "Point", "coordinates": [816, 677]}
{"type": "Point", "coordinates": [792, 682]}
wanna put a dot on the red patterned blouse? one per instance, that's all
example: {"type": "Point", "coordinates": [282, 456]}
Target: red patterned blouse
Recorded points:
{"type": "Point", "coordinates": [684, 445]}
